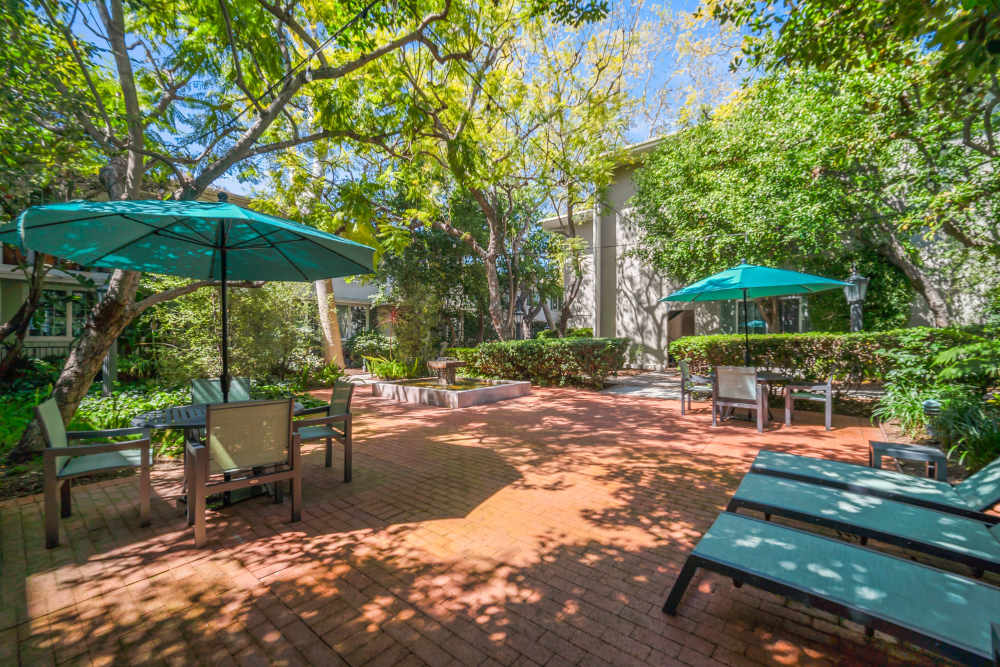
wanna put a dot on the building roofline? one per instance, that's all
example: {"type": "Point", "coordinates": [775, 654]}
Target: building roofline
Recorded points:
{"type": "Point", "coordinates": [555, 222]}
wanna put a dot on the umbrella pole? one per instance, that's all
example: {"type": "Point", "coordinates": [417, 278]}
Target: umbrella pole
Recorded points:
{"type": "Point", "coordinates": [224, 380]}
{"type": "Point", "coordinates": [746, 330]}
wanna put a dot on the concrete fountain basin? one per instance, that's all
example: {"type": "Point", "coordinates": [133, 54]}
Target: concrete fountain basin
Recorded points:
{"type": "Point", "coordinates": [428, 391]}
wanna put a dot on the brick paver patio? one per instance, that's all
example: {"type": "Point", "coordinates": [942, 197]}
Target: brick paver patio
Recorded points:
{"type": "Point", "coordinates": [543, 530]}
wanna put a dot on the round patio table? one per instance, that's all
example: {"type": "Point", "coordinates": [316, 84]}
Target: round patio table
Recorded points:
{"type": "Point", "coordinates": [190, 418]}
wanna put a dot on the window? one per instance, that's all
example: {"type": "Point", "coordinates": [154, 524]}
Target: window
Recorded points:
{"type": "Point", "coordinates": [50, 319]}
{"type": "Point", "coordinates": [790, 315]}
{"type": "Point", "coordinates": [731, 317]}
{"type": "Point", "coordinates": [81, 304]}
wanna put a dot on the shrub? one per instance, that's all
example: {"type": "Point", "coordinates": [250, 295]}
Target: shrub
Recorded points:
{"type": "Point", "coordinates": [849, 357]}
{"type": "Point", "coordinates": [580, 332]}
{"type": "Point", "coordinates": [554, 361]}
{"type": "Point", "coordinates": [547, 333]}
{"type": "Point", "coordinates": [369, 344]}
{"type": "Point", "coordinates": [393, 369]}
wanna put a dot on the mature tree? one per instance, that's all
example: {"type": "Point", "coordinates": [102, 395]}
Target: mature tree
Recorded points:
{"type": "Point", "coordinates": [499, 128]}
{"type": "Point", "coordinates": [37, 164]}
{"type": "Point", "coordinates": [858, 34]}
{"type": "Point", "coordinates": [197, 93]}
{"type": "Point", "coordinates": [798, 171]}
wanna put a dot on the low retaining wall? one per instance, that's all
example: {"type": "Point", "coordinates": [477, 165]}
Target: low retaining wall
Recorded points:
{"type": "Point", "coordinates": [500, 390]}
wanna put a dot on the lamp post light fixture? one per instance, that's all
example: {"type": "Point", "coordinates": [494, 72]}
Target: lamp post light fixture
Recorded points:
{"type": "Point", "coordinates": [518, 322]}
{"type": "Point", "coordinates": [856, 292]}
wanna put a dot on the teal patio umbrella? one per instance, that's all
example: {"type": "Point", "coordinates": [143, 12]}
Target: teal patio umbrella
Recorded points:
{"type": "Point", "coordinates": [749, 281]}
{"type": "Point", "coordinates": [207, 241]}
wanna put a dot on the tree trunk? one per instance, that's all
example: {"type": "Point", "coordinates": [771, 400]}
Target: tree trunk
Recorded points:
{"type": "Point", "coordinates": [326, 301]}
{"type": "Point", "coordinates": [568, 298]}
{"type": "Point", "coordinates": [107, 321]}
{"type": "Point", "coordinates": [893, 250]}
{"type": "Point", "coordinates": [494, 290]}
{"type": "Point", "coordinates": [550, 321]}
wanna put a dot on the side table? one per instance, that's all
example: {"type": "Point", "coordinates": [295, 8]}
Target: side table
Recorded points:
{"type": "Point", "coordinates": [937, 462]}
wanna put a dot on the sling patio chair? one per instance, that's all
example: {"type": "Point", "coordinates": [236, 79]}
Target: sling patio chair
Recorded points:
{"type": "Point", "coordinates": [949, 614]}
{"type": "Point", "coordinates": [335, 425]}
{"type": "Point", "coordinates": [63, 461]}
{"type": "Point", "coordinates": [247, 444]}
{"type": "Point", "coordinates": [954, 538]}
{"type": "Point", "coordinates": [737, 387]}
{"type": "Point", "coordinates": [209, 390]}
{"type": "Point", "coordinates": [820, 392]}
{"type": "Point", "coordinates": [970, 498]}
{"type": "Point", "coordinates": [692, 384]}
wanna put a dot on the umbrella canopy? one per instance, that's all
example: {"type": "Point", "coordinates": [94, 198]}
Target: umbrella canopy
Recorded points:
{"type": "Point", "coordinates": [208, 241]}
{"type": "Point", "coordinates": [753, 282]}
{"type": "Point", "coordinates": [187, 238]}
{"type": "Point", "coordinates": [749, 281]}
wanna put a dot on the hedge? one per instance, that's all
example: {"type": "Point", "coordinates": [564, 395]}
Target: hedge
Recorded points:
{"type": "Point", "coordinates": [849, 357]}
{"type": "Point", "coordinates": [547, 361]}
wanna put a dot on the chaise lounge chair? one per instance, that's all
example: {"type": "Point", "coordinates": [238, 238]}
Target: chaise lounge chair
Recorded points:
{"type": "Point", "coordinates": [940, 611]}
{"type": "Point", "coordinates": [955, 538]}
{"type": "Point", "coordinates": [971, 498]}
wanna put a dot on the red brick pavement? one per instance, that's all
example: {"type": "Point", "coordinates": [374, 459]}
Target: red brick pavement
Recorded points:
{"type": "Point", "coordinates": [543, 530]}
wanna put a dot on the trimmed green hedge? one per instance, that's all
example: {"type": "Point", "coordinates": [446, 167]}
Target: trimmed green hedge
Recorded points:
{"type": "Point", "coordinates": [850, 357]}
{"type": "Point", "coordinates": [547, 361]}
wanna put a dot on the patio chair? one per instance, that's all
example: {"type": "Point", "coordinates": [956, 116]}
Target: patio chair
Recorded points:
{"type": "Point", "coordinates": [954, 538]}
{"type": "Point", "coordinates": [63, 461]}
{"type": "Point", "coordinates": [971, 498]}
{"type": "Point", "coordinates": [209, 390]}
{"type": "Point", "coordinates": [737, 387]}
{"type": "Point", "coordinates": [247, 444]}
{"type": "Point", "coordinates": [820, 392]}
{"type": "Point", "coordinates": [335, 425]}
{"type": "Point", "coordinates": [943, 612]}
{"type": "Point", "coordinates": [691, 384]}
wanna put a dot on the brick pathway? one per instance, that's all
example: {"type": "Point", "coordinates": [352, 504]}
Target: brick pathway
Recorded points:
{"type": "Point", "coordinates": [543, 530]}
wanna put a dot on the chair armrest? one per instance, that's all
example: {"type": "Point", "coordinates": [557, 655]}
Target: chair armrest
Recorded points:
{"type": "Point", "coordinates": [97, 448]}
{"type": "Point", "coordinates": [316, 421]}
{"type": "Point", "coordinates": [704, 379]}
{"type": "Point", "coordinates": [107, 433]}
{"type": "Point", "coordinates": [807, 387]}
{"type": "Point", "coordinates": [313, 411]}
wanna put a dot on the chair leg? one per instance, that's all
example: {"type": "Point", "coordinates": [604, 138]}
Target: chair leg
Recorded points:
{"type": "Point", "coordinates": [296, 481]}
{"type": "Point", "coordinates": [788, 408]}
{"type": "Point", "coordinates": [829, 412]}
{"type": "Point", "coordinates": [761, 412]}
{"type": "Point", "coordinates": [679, 587]}
{"type": "Point", "coordinates": [715, 411]}
{"type": "Point", "coordinates": [65, 502]}
{"type": "Point", "coordinates": [682, 401]}
{"type": "Point", "coordinates": [144, 488]}
{"type": "Point", "coordinates": [329, 452]}
{"type": "Point", "coordinates": [348, 446]}
{"type": "Point", "coordinates": [51, 509]}
{"type": "Point", "coordinates": [197, 491]}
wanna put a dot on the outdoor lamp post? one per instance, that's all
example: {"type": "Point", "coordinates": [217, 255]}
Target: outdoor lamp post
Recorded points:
{"type": "Point", "coordinates": [518, 322]}
{"type": "Point", "coordinates": [855, 291]}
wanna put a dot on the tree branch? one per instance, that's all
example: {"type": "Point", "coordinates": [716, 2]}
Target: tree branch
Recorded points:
{"type": "Point", "coordinates": [167, 295]}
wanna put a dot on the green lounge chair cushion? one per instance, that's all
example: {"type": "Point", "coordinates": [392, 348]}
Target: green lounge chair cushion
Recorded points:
{"type": "Point", "coordinates": [307, 433]}
{"type": "Point", "coordinates": [860, 477]}
{"type": "Point", "coordinates": [81, 465]}
{"type": "Point", "coordinates": [939, 604]}
{"type": "Point", "coordinates": [906, 521]}
{"type": "Point", "coordinates": [982, 490]}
